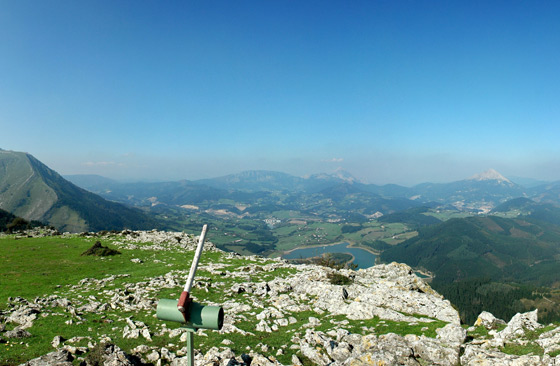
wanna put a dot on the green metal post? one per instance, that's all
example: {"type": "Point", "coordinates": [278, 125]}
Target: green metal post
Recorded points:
{"type": "Point", "coordinates": [190, 346]}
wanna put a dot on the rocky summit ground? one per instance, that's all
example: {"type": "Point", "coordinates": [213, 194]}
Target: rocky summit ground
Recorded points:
{"type": "Point", "coordinates": [276, 313]}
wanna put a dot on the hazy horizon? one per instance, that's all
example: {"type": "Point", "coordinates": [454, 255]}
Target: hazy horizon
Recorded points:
{"type": "Point", "coordinates": [529, 181]}
{"type": "Point", "coordinates": [392, 92]}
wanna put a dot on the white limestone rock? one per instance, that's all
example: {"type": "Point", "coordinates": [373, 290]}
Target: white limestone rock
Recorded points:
{"type": "Point", "coordinates": [452, 334]}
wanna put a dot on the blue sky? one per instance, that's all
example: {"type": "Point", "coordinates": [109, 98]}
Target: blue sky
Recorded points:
{"type": "Point", "coordinates": [392, 91]}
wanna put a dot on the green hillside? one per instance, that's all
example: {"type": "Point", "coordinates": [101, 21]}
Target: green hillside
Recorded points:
{"type": "Point", "coordinates": [31, 190]}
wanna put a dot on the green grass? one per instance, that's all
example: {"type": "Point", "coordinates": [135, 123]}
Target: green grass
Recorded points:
{"type": "Point", "coordinates": [33, 267]}
{"type": "Point", "coordinates": [480, 332]}
{"type": "Point", "coordinates": [554, 353]}
{"type": "Point", "coordinates": [519, 349]}
{"type": "Point", "coordinates": [36, 266]}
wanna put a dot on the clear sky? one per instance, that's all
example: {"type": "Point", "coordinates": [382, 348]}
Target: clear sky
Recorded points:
{"type": "Point", "coordinates": [391, 91]}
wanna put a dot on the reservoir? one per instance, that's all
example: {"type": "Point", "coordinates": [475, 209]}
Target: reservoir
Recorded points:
{"type": "Point", "coordinates": [362, 258]}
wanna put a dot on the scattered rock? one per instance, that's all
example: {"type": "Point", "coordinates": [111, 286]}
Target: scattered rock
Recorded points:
{"type": "Point", "coordinates": [550, 341]}
{"type": "Point", "coordinates": [24, 315]}
{"type": "Point", "coordinates": [108, 354]}
{"type": "Point", "coordinates": [296, 361]}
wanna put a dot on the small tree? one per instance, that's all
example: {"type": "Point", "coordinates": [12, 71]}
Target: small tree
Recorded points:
{"type": "Point", "coordinates": [327, 260]}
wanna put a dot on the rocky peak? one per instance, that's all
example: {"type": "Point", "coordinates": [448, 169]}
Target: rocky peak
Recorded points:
{"type": "Point", "coordinates": [490, 174]}
{"type": "Point", "coordinates": [338, 174]}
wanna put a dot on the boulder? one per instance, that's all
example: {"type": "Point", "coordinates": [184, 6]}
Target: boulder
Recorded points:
{"type": "Point", "coordinates": [488, 321]}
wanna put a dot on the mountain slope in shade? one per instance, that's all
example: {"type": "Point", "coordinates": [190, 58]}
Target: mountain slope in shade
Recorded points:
{"type": "Point", "coordinates": [31, 190]}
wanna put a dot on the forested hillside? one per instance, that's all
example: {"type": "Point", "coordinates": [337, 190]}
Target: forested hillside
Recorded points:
{"type": "Point", "coordinates": [488, 263]}
{"type": "Point", "coordinates": [493, 247]}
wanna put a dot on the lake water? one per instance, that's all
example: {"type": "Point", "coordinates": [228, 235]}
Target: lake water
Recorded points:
{"type": "Point", "coordinates": [362, 258]}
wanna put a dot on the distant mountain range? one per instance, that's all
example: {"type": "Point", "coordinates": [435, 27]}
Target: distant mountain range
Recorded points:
{"type": "Point", "coordinates": [480, 193]}
{"type": "Point", "coordinates": [31, 190]}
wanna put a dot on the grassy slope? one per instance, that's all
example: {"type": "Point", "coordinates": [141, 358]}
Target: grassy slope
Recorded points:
{"type": "Point", "coordinates": [31, 267]}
